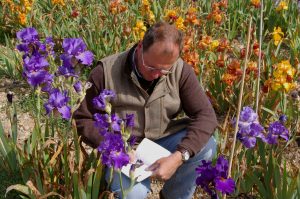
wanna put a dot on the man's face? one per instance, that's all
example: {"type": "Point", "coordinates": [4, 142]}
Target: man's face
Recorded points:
{"type": "Point", "coordinates": [157, 60]}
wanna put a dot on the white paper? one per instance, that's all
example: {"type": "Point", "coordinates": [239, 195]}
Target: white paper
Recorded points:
{"type": "Point", "coordinates": [148, 152]}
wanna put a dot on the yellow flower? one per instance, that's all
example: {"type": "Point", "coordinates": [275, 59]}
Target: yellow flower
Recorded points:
{"type": "Point", "coordinates": [285, 67]}
{"type": "Point", "coordinates": [139, 30]}
{"type": "Point", "coordinates": [275, 86]}
{"type": "Point", "coordinates": [277, 35]}
{"type": "Point", "coordinates": [151, 16]}
{"type": "Point", "coordinates": [288, 86]}
{"type": "Point", "coordinates": [146, 3]}
{"type": "Point", "coordinates": [282, 6]}
{"type": "Point", "coordinates": [283, 76]}
{"type": "Point", "coordinates": [27, 5]}
{"type": "Point", "coordinates": [214, 44]}
{"type": "Point", "coordinates": [179, 23]}
{"type": "Point", "coordinates": [58, 2]}
{"type": "Point", "coordinates": [171, 15]}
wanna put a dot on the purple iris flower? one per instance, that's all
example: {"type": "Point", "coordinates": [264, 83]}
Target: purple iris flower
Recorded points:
{"type": "Point", "coordinates": [283, 118]}
{"type": "Point", "coordinates": [116, 123]}
{"type": "Point", "coordinates": [30, 42]}
{"type": "Point", "coordinates": [50, 45]}
{"type": "Point", "coordinates": [36, 78]}
{"type": "Point", "coordinates": [248, 138]}
{"type": "Point", "coordinates": [226, 186]}
{"type": "Point", "coordinates": [129, 120]}
{"type": "Point", "coordinates": [28, 35]}
{"type": "Point", "coordinates": [132, 140]}
{"type": "Point", "coordinates": [68, 60]}
{"type": "Point", "coordinates": [35, 62]}
{"type": "Point", "coordinates": [113, 147]}
{"type": "Point", "coordinates": [214, 178]}
{"type": "Point", "coordinates": [222, 167]}
{"type": "Point", "coordinates": [77, 48]}
{"type": "Point", "coordinates": [78, 87]}
{"type": "Point", "coordinates": [47, 86]}
{"type": "Point", "coordinates": [67, 71]}
{"type": "Point", "coordinates": [248, 115]}
{"type": "Point", "coordinates": [101, 121]}
{"type": "Point", "coordinates": [276, 130]}
{"type": "Point", "coordinates": [249, 128]}
{"type": "Point", "coordinates": [101, 100]}
{"type": "Point", "coordinates": [112, 151]}
{"type": "Point", "coordinates": [207, 174]}
{"type": "Point", "coordinates": [119, 159]}
{"type": "Point", "coordinates": [58, 100]}
{"type": "Point", "coordinates": [86, 58]}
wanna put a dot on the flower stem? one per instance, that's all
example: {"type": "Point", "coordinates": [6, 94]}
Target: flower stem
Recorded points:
{"type": "Point", "coordinates": [111, 170]}
{"type": "Point", "coordinates": [259, 56]}
{"type": "Point", "coordinates": [239, 102]}
{"type": "Point", "coordinates": [121, 184]}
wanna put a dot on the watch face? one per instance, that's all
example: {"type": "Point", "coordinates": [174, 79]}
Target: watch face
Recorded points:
{"type": "Point", "coordinates": [185, 155]}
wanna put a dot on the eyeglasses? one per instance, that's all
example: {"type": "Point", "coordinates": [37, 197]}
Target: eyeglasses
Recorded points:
{"type": "Point", "coordinates": [152, 69]}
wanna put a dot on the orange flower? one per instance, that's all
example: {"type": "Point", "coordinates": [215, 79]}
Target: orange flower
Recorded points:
{"type": "Point", "coordinates": [229, 78]}
{"type": "Point", "coordinates": [252, 66]}
{"type": "Point", "coordinates": [224, 3]}
{"type": "Point", "coordinates": [217, 18]}
{"type": "Point", "coordinates": [234, 68]}
{"type": "Point", "coordinates": [221, 61]}
{"type": "Point", "coordinates": [22, 18]}
{"type": "Point", "coordinates": [191, 16]}
{"type": "Point", "coordinates": [255, 3]}
{"type": "Point", "coordinates": [256, 49]}
{"type": "Point", "coordinates": [223, 45]}
{"type": "Point", "coordinates": [115, 7]}
{"type": "Point", "coordinates": [192, 58]}
{"type": "Point", "coordinates": [205, 42]}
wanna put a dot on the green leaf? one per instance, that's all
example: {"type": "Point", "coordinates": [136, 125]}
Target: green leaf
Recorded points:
{"type": "Point", "coordinates": [269, 111]}
{"type": "Point", "coordinates": [261, 189]}
{"type": "Point", "coordinates": [7, 151]}
{"type": "Point", "coordinates": [277, 178]}
{"type": "Point", "coordinates": [20, 188]}
{"type": "Point", "coordinates": [97, 181]}
{"type": "Point", "coordinates": [75, 186]}
{"type": "Point", "coordinates": [89, 186]}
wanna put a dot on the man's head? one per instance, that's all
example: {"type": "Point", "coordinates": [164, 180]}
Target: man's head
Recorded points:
{"type": "Point", "coordinates": [159, 50]}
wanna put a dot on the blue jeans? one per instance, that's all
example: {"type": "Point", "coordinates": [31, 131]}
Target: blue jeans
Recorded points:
{"type": "Point", "coordinates": [181, 185]}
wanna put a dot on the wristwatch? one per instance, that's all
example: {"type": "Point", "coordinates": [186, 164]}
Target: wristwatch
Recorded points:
{"type": "Point", "coordinates": [185, 155]}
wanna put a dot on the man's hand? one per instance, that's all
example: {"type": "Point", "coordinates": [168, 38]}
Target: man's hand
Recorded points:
{"type": "Point", "coordinates": [132, 156]}
{"type": "Point", "coordinates": [165, 167]}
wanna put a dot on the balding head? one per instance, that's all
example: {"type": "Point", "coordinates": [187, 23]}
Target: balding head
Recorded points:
{"type": "Point", "coordinates": [162, 32]}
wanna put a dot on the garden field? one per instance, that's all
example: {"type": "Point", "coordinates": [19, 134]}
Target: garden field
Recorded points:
{"type": "Point", "coordinates": [245, 53]}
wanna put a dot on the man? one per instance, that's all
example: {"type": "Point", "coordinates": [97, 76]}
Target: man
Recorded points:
{"type": "Point", "coordinates": [153, 83]}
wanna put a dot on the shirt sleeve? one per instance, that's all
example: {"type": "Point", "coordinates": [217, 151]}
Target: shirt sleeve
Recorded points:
{"type": "Point", "coordinates": [84, 114]}
{"type": "Point", "coordinates": [198, 108]}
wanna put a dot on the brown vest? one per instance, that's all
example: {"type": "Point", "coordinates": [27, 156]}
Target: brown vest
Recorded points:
{"type": "Point", "coordinates": [156, 115]}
